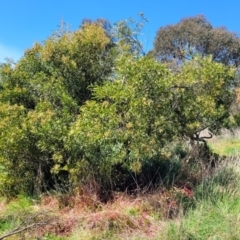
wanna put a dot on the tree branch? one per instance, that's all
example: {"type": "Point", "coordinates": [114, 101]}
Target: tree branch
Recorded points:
{"type": "Point", "coordinates": [18, 230]}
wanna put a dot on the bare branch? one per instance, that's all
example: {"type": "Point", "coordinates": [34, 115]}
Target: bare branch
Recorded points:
{"type": "Point", "coordinates": [19, 229]}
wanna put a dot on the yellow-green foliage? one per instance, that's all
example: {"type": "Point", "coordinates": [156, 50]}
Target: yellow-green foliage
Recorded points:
{"type": "Point", "coordinates": [131, 120]}
{"type": "Point", "coordinates": [40, 97]}
{"type": "Point", "coordinates": [80, 104]}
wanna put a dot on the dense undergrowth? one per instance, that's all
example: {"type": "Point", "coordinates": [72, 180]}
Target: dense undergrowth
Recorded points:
{"type": "Point", "coordinates": [202, 203]}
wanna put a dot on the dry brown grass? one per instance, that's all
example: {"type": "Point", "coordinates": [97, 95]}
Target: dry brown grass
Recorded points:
{"type": "Point", "coordinates": [125, 215]}
{"type": "Point", "coordinates": [141, 215]}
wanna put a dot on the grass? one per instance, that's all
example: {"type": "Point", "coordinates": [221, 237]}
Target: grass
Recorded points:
{"type": "Point", "coordinates": [11, 213]}
{"type": "Point", "coordinates": [217, 211]}
{"type": "Point", "coordinates": [227, 144]}
{"type": "Point", "coordinates": [225, 147]}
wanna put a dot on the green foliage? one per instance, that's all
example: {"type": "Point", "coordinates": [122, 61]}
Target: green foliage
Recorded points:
{"type": "Point", "coordinates": [67, 61]}
{"type": "Point", "coordinates": [126, 33]}
{"type": "Point", "coordinates": [131, 121]}
{"type": "Point", "coordinates": [89, 105]}
{"type": "Point", "coordinates": [196, 35]}
{"type": "Point", "coordinates": [122, 125]}
{"type": "Point", "coordinates": [203, 93]}
{"type": "Point", "coordinates": [40, 97]}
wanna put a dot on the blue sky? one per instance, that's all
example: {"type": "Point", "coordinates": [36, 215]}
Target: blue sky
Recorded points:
{"type": "Point", "coordinates": [24, 22]}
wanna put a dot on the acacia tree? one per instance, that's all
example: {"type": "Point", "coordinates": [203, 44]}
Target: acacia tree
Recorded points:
{"type": "Point", "coordinates": [121, 126]}
{"type": "Point", "coordinates": [46, 87]}
{"type": "Point", "coordinates": [196, 35]}
{"type": "Point", "coordinates": [132, 120]}
{"type": "Point", "coordinates": [203, 94]}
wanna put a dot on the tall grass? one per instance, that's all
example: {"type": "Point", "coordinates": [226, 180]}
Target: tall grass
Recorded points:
{"type": "Point", "coordinates": [216, 213]}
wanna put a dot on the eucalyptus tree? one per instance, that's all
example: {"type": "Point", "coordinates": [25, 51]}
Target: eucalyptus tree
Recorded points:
{"type": "Point", "coordinates": [196, 35]}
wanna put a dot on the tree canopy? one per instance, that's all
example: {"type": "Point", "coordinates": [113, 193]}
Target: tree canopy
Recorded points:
{"type": "Point", "coordinates": [196, 35]}
{"type": "Point", "coordinates": [46, 88]}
